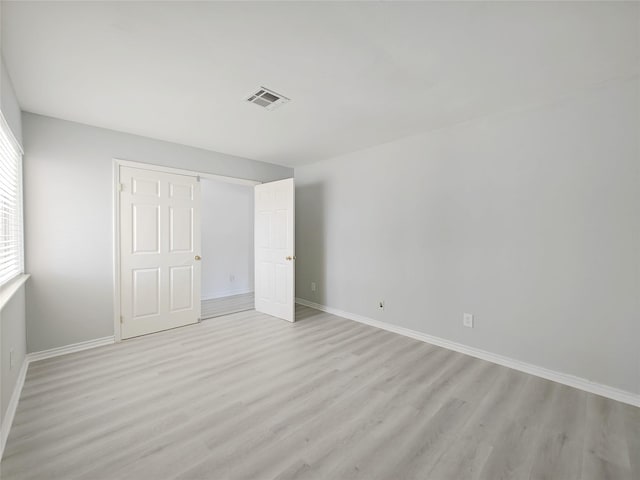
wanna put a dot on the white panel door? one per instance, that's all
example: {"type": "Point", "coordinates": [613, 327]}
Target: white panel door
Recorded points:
{"type": "Point", "coordinates": [159, 251]}
{"type": "Point", "coordinates": [274, 249]}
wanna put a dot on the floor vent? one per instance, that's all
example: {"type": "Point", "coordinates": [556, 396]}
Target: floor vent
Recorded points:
{"type": "Point", "coordinates": [268, 99]}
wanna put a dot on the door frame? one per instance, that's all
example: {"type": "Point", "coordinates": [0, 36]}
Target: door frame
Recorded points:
{"type": "Point", "coordinates": [117, 163]}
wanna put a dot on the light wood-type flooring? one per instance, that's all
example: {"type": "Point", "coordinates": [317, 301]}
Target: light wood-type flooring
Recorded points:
{"type": "Point", "coordinates": [248, 396]}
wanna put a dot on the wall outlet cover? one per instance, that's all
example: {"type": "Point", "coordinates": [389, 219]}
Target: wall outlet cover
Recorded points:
{"type": "Point", "coordinates": [467, 320]}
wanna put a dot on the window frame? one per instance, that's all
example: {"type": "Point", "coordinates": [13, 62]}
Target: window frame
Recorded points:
{"type": "Point", "coordinates": [6, 176]}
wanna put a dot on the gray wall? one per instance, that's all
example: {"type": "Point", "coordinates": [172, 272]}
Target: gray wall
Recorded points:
{"type": "Point", "coordinates": [68, 215]}
{"type": "Point", "coordinates": [227, 239]}
{"type": "Point", "coordinates": [12, 337]}
{"type": "Point", "coordinates": [12, 315]}
{"type": "Point", "coordinates": [530, 220]}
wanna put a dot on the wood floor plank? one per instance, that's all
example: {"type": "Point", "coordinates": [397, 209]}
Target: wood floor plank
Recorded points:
{"type": "Point", "coordinates": [264, 392]}
{"type": "Point", "coordinates": [99, 427]}
{"type": "Point", "coordinates": [248, 396]}
{"type": "Point", "coordinates": [559, 452]}
{"type": "Point", "coordinates": [606, 447]}
{"type": "Point", "coordinates": [632, 426]}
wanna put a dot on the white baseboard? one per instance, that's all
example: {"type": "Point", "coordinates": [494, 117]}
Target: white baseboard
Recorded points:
{"type": "Point", "coordinates": [565, 379]}
{"type": "Point", "coordinates": [228, 293]}
{"type": "Point", "coordinates": [13, 405]}
{"type": "Point", "coordinates": [75, 347]}
{"type": "Point", "coordinates": [33, 357]}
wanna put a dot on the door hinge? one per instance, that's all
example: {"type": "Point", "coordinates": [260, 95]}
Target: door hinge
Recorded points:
{"type": "Point", "coordinates": [198, 178]}
{"type": "Point", "coordinates": [121, 319]}
{"type": "Point", "coordinates": [122, 187]}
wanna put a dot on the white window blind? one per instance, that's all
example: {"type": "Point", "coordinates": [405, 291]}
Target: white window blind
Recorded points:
{"type": "Point", "coordinates": [11, 244]}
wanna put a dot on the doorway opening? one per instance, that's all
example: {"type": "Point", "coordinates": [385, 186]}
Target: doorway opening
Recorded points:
{"type": "Point", "coordinates": [158, 248]}
{"type": "Point", "coordinates": [227, 219]}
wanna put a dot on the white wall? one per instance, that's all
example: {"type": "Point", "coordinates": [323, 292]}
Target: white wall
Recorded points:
{"type": "Point", "coordinates": [227, 239]}
{"type": "Point", "coordinates": [68, 214]}
{"type": "Point", "coordinates": [530, 220]}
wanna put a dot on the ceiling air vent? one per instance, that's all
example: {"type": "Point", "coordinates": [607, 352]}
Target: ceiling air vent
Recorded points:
{"type": "Point", "coordinates": [267, 98]}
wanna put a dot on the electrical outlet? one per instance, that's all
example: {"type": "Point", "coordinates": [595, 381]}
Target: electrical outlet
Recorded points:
{"type": "Point", "coordinates": [232, 278]}
{"type": "Point", "coordinates": [467, 320]}
{"type": "Point", "coordinates": [313, 286]}
{"type": "Point", "coordinates": [381, 305]}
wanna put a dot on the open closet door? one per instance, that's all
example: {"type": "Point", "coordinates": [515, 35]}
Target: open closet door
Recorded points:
{"type": "Point", "coordinates": [159, 251]}
{"type": "Point", "coordinates": [274, 249]}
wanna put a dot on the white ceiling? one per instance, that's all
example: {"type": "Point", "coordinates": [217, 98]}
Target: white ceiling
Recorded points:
{"type": "Point", "coordinates": [358, 74]}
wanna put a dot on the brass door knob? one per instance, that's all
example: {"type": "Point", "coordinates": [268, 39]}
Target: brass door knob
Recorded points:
{"type": "Point", "coordinates": [197, 257]}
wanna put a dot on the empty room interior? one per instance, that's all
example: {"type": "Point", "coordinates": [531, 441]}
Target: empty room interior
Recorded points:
{"type": "Point", "coordinates": [376, 240]}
